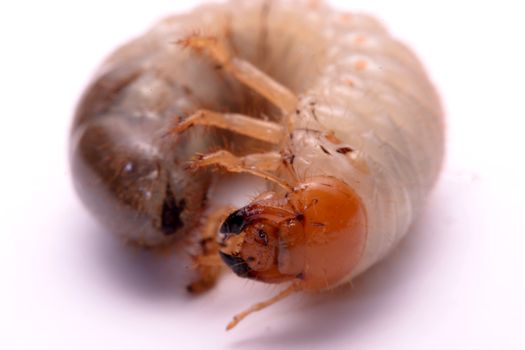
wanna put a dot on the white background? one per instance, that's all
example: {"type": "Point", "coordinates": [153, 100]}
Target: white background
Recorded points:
{"type": "Point", "coordinates": [456, 282]}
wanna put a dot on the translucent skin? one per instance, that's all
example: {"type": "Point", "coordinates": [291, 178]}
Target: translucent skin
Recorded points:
{"type": "Point", "coordinates": [367, 113]}
{"type": "Point", "coordinates": [314, 234]}
{"type": "Point", "coordinates": [367, 116]}
{"type": "Point", "coordinates": [127, 174]}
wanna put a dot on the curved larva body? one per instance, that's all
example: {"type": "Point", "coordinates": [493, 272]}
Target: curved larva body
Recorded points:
{"type": "Point", "coordinates": [376, 99]}
{"type": "Point", "coordinates": [337, 115]}
{"type": "Point", "coordinates": [367, 113]}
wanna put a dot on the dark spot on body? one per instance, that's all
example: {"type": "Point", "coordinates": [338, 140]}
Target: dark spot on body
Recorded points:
{"type": "Point", "coordinates": [204, 200]}
{"type": "Point", "coordinates": [300, 275]}
{"type": "Point", "coordinates": [312, 109]}
{"type": "Point", "coordinates": [206, 244]}
{"type": "Point", "coordinates": [314, 114]}
{"type": "Point", "coordinates": [187, 90]}
{"type": "Point", "coordinates": [299, 217]}
{"type": "Point", "coordinates": [171, 211]}
{"type": "Point", "coordinates": [250, 259]}
{"type": "Point", "coordinates": [325, 150]}
{"type": "Point", "coordinates": [344, 150]}
{"type": "Point", "coordinates": [205, 241]}
{"type": "Point", "coordinates": [288, 158]}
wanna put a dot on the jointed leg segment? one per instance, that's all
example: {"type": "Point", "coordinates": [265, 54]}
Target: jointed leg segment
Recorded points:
{"type": "Point", "coordinates": [261, 164]}
{"type": "Point", "coordinates": [245, 72]}
{"type": "Point", "coordinates": [241, 124]}
{"type": "Point", "coordinates": [258, 164]}
{"type": "Point", "coordinates": [208, 262]}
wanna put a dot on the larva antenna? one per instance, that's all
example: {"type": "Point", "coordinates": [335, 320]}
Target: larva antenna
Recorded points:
{"type": "Point", "coordinates": [291, 289]}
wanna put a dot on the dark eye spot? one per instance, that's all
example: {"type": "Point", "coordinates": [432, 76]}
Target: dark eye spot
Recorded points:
{"type": "Point", "coordinates": [262, 236]}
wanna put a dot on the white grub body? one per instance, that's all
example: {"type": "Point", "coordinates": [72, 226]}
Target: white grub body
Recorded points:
{"type": "Point", "coordinates": [367, 113]}
{"type": "Point", "coordinates": [372, 93]}
{"type": "Point", "coordinates": [357, 83]}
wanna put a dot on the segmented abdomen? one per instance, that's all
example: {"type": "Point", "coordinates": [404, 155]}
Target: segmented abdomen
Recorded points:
{"type": "Point", "coordinates": [373, 95]}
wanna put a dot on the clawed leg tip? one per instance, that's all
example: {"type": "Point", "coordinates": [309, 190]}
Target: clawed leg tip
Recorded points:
{"type": "Point", "coordinates": [181, 127]}
{"type": "Point", "coordinates": [196, 41]}
{"type": "Point", "coordinates": [195, 163]}
{"type": "Point", "coordinates": [233, 323]}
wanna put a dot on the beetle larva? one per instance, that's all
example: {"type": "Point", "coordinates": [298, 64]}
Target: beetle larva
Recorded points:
{"type": "Point", "coordinates": [349, 131]}
{"type": "Point", "coordinates": [356, 148]}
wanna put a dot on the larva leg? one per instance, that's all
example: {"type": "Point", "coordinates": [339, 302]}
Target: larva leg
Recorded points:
{"type": "Point", "coordinates": [258, 164]}
{"type": "Point", "coordinates": [208, 263]}
{"type": "Point", "coordinates": [245, 72]}
{"type": "Point", "coordinates": [294, 287]}
{"type": "Point", "coordinates": [238, 123]}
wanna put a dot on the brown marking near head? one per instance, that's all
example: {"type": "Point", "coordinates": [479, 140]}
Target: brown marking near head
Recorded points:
{"type": "Point", "coordinates": [325, 150]}
{"type": "Point", "coordinates": [313, 111]}
{"type": "Point", "coordinates": [330, 136]}
{"type": "Point", "coordinates": [344, 150]}
{"type": "Point", "coordinates": [288, 157]}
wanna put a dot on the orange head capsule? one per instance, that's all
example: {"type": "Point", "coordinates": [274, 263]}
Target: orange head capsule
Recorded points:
{"type": "Point", "coordinates": [315, 234]}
